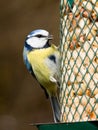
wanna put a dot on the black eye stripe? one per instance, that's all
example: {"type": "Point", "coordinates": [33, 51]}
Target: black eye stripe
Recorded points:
{"type": "Point", "coordinates": [39, 36]}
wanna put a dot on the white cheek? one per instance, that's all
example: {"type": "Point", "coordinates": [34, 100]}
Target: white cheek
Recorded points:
{"type": "Point", "coordinates": [36, 42]}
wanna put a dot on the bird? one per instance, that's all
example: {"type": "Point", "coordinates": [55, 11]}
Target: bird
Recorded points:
{"type": "Point", "coordinates": [42, 60]}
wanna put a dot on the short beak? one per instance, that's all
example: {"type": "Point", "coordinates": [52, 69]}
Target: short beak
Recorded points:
{"type": "Point", "coordinates": [50, 37]}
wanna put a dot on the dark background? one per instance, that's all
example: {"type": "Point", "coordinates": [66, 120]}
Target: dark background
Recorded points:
{"type": "Point", "coordinates": [22, 101]}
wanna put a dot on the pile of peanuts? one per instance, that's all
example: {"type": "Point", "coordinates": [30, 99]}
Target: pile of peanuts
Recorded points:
{"type": "Point", "coordinates": [79, 95]}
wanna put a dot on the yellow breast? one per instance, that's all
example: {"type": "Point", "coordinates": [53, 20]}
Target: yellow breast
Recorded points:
{"type": "Point", "coordinates": [37, 60]}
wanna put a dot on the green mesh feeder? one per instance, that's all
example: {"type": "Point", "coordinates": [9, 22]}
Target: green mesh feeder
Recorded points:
{"type": "Point", "coordinates": [79, 60]}
{"type": "Point", "coordinates": [79, 66]}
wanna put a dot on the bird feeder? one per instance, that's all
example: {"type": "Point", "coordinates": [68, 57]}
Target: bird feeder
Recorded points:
{"type": "Point", "coordinates": [79, 60]}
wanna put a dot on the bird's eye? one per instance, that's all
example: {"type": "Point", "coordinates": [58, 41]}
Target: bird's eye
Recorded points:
{"type": "Point", "coordinates": [39, 36]}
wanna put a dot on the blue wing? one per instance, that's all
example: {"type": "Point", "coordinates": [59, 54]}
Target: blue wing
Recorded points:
{"type": "Point", "coordinates": [28, 65]}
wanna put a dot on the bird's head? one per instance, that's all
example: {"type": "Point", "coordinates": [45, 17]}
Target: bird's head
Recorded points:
{"type": "Point", "coordinates": [38, 39]}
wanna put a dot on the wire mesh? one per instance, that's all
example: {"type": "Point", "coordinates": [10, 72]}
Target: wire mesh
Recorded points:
{"type": "Point", "coordinates": [79, 60]}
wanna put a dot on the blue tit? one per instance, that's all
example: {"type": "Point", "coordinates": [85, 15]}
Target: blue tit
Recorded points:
{"type": "Point", "coordinates": [42, 60]}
